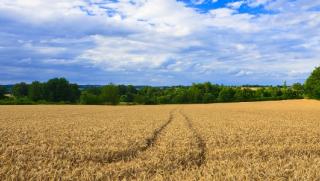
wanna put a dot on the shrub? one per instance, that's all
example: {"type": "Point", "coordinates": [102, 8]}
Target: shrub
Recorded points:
{"type": "Point", "coordinates": [91, 99]}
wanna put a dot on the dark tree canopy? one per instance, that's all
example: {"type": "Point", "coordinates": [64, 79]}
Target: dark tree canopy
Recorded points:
{"type": "Point", "coordinates": [59, 89]}
{"type": "Point", "coordinates": [55, 90]}
{"type": "Point", "coordinates": [37, 91]}
{"type": "Point", "coordinates": [20, 90]}
{"type": "Point", "coordinates": [2, 92]}
{"type": "Point", "coordinates": [312, 84]}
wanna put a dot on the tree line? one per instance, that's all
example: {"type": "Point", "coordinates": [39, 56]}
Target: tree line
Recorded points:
{"type": "Point", "coordinates": [59, 90]}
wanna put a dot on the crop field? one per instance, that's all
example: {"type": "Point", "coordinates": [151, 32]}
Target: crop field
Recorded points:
{"type": "Point", "coordinates": [276, 140]}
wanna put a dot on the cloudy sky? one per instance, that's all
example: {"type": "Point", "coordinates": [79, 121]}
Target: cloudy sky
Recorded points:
{"type": "Point", "coordinates": [159, 42]}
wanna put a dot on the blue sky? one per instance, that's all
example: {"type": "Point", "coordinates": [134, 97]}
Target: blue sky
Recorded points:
{"type": "Point", "coordinates": [159, 42]}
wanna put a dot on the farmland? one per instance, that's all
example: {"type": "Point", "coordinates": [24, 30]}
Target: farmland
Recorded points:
{"type": "Point", "coordinates": [276, 140]}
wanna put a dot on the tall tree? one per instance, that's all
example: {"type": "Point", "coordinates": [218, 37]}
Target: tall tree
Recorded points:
{"type": "Point", "coordinates": [74, 93]}
{"type": "Point", "coordinates": [312, 84]}
{"type": "Point", "coordinates": [20, 90]}
{"type": "Point", "coordinates": [59, 89]}
{"type": "Point", "coordinates": [36, 91]}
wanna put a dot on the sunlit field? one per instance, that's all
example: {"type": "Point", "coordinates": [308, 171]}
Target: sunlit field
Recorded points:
{"type": "Point", "coordinates": [276, 140]}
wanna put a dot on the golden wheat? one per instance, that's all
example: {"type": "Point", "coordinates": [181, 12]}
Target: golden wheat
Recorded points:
{"type": "Point", "coordinates": [278, 140]}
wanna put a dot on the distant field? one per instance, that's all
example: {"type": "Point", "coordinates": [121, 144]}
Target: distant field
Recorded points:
{"type": "Point", "coordinates": [276, 140]}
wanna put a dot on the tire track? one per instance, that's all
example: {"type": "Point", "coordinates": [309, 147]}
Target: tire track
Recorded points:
{"type": "Point", "coordinates": [171, 160]}
{"type": "Point", "coordinates": [201, 144]}
{"type": "Point", "coordinates": [129, 154]}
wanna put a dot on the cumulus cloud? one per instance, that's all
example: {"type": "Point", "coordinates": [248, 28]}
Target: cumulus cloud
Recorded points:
{"type": "Point", "coordinates": [235, 5]}
{"type": "Point", "coordinates": [165, 39]}
{"type": "Point", "coordinates": [255, 3]}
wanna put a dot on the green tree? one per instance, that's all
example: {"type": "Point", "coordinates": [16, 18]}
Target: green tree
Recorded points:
{"type": "Point", "coordinates": [131, 91]}
{"type": "Point", "coordinates": [262, 94]}
{"type": "Point", "coordinates": [312, 84]}
{"type": "Point", "coordinates": [164, 99]}
{"type": "Point", "coordinates": [122, 89]}
{"type": "Point", "coordinates": [94, 90]}
{"type": "Point", "coordinates": [127, 93]}
{"type": "Point", "coordinates": [291, 94]}
{"type": "Point", "coordinates": [299, 88]}
{"type": "Point", "coordinates": [20, 90]}
{"type": "Point", "coordinates": [180, 96]}
{"type": "Point", "coordinates": [195, 93]}
{"type": "Point", "coordinates": [276, 92]}
{"type": "Point", "coordinates": [90, 99]}
{"type": "Point", "coordinates": [59, 89]}
{"type": "Point", "coordinates": [2, 92]}
{"type": "Point", "coordinates": [226, 94]}
{"type": "Point", "coordinates": [110, 94]}
{"type": "Point", "coordinates": [208, 98]}
{"type": "Point", "coordinates": [244, 94]}
{"type": "Point", "coordinates": [215, 90]}
{"type": "Point", "coordinates": [140, 99]}
{"type": "Point", "coordinates": [74, 93]}
{"type": "Point", "coordinates": [36, 91]}
{"type": "Point", "coordinates": [149, 95]}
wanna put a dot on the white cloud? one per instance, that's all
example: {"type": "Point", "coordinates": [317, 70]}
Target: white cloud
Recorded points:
{"type": "Point", "coordinates": [235, 5]}
{"type": "Point", "coordinates": [255, 3]}
{"type": "Point", "coordinates": [46, 50]}
{"type": "Point", "coordinates": [41, 10]}
{"type": "Point", "coordinates": [228, 18]}
{"type": "Point", "coordinates": [198, 1]}
{"type": "Point", "coordinates": [165, 36]}
{"type": "Point", "coordinates": [134, 53]}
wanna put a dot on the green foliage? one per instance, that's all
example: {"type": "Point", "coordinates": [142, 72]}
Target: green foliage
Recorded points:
{"type": "Point", "coordinates": [245, 94]}
{"type": "Point", "coordinates": [74, 93]}
{"type": "Point", "coordinates": [3, 91]}
{"type": "Point", "coordinates": [94, 90]}
{"type": "Point", "coordinates": [226, 94]}
{"type": "Point", "coordinates": [16, 101]}
{"type": "Point", "coordinates": [110, 94]}
{"type": "Point", "coordinates": [312, 84]}
{"type": "Point", "coordinates": [90, 99]}
{"type": "Point", "coordinates": [298, 88]}
{"type": "Point", "coordinates": [209, 97]}
{"type": "Point", "coordinates": [195, 94]}
{"type": "Point", "coordinates": [59, 89]}
{"type": "Point", "coordinates": [140, 99]}
{"type": "Point", "coordinates": [37, 91]}
{"type": "Point", "coordinates": [291, 94]}
{"type": "Point", "coordinates": [127, 93]}
{"type": "Point", "coordinates": [275, 92]}
{"type": "Point", "coordinates": [20, 90]}
{"type": "Point", "coordinates": [262, 94]}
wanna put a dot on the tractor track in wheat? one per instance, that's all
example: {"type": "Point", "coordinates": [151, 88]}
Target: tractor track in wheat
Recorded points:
{"type": "Point", "coordinates": [192, 158]}
{"type": "Point", "coordinates": [201, 144]}
{"type": "Point", "coordinates": [129, 154]}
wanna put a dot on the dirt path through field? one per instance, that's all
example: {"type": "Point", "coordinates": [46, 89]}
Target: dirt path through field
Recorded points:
{"type": "Point", "coordinates": [178, 147]}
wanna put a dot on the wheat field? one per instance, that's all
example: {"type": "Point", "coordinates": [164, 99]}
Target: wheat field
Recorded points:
{"type": "Point", "coordinates": [276, 140]}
